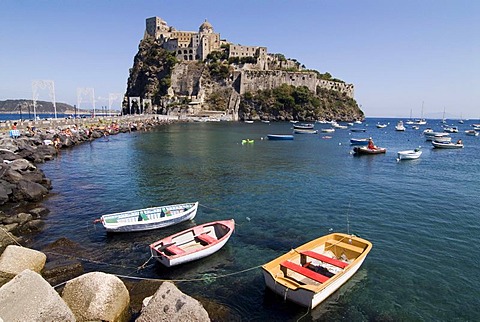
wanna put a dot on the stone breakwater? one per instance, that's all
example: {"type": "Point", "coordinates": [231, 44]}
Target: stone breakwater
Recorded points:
{"type": "Point", "coordinates": [27, 275]}
{"type": "Point", "coordinates": [23, 185]}
{"type": "Point", "coordinates": [26, 296]}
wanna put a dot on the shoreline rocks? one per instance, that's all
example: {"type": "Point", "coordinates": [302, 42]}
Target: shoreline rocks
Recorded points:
{"type": "Point", "coordinates": [95, 296]}
{"type": "Point", "coordinates": [23, 185]}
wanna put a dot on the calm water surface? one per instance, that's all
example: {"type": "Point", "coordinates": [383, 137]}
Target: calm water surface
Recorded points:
{"type": "Point", "coordinates": [421, 215]}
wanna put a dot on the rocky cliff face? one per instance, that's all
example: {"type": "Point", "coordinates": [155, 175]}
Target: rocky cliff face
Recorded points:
{"type": "Point", "coordinates": [198, 87]}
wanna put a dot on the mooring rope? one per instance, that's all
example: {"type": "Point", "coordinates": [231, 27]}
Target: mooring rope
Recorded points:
{"type": "Point", "coordinates": [216, 209]}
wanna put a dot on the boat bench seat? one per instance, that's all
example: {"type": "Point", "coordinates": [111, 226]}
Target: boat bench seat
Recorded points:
{"type": "Point", "coordinates": [330, 244]}
{"type": "Point", "coordinates": [206, 238]}
{"type": "Point", "coordinates": [321, 257]}
{"type": "Point", "coordinates": [302, 271]}
{"type": "Point", "coordinates": [174, 249]}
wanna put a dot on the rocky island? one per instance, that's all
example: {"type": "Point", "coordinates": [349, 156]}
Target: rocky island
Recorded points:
{"type": "Point", "coordinates": [198, 73]}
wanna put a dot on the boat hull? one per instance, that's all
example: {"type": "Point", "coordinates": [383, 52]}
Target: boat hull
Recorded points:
{"type": "Point", "coordinates": [302, 290]}
{"type": "Point", "coordinates": [408, 154]}
{"type": "Point", "coordinates": [366, 151]}
{"type": "Point", "coordinates": [446, 145]}
{"type": "Point", "coordinates": [128, 221]}
{"type": "Point", "coordinates": [192, 248]}
{"type": "Point", "coordinates": [359, 141]}
{"type": "Point", "coordinates": [279, 137]}
{"type": "Point", "coordinates": [305, 131]}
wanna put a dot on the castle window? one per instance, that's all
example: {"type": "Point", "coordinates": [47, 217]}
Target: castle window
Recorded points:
{"type": "Point", "coordinates": [185, 57]}
{"type": "Point", "coordinates": [180, 52]}
{"type": "Point", "coordinates": [191, 57]}
{"type": "Point", "coordinates": [191, 51]}
{"type": "Point", "coordinates": [185, 52]}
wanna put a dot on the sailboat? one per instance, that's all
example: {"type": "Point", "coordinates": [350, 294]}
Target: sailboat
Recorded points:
{"type": "Point", "coordinates": [410, 120]}
{"type": "Point", "coordinates": [461, 119]}
{"type": "Point", "coordinates": [443, 118]}
{"type": "Point", "coordinates": [421, 121]}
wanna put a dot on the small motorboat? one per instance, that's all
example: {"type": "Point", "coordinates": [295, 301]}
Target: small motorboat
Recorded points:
{"type": "Point", "coordinates": [329, 130]}
{"type": "Point", "coordinates": [442, 138]}
{"type": "Point", "coordinates": [363, 150]}
{"type": "Point", "coordinates": [430, 135]}
{"type": "Point", "coordinates": [148, 218]}
{"type": "Point", "coordinates": [305, 131]}
{"type": "Point", "coordinates": [338, 126]}
{"type": "Point", "coordinates": [193, 243]}
{"type": "Point", "coordinates": [400, 126]}
{"type": "Point", "coordinates": [278, 137]}
{"type": "Point", "coordinates": [358, 141]}
{"type": "Point", "coordinates": [447, 145]}
{"type": "Point", "coordinates": [471, 132]}
{"type": "Point", "coordinates": [248, 121]}
{"type": "Point", "coordinates": [310, 273]}
{"type": "Point", "coordinates": [381, 125]}
{"type": "Point", "coordinates": [304, 126]}
{"type": "Point", "coordinates": [409, 154]}
{"type": "Point", "coordinates": [357, 129]}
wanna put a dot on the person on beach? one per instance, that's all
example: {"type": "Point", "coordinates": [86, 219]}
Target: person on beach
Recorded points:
{"type": "Point", "coordinates": [56, 143]}
{"type": "Point", "coordinates": [14, 126]}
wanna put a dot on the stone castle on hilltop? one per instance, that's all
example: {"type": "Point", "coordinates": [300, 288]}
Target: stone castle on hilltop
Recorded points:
{"type": "Point", "coordinates": [191, 45]}
{"type": "Point", "coordinates": [252, 68]}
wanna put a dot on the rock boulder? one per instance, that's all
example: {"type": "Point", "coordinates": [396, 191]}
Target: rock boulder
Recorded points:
{"type": "Point", "coordinates": [97, 296]}
{"type": "Point", "coordinates": [170, 304]}
{"type": "Point", "coordinates": [28, 297]}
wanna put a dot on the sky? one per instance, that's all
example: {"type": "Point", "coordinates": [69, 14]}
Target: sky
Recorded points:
{"type": "Point", "coordinates": [400, 54]}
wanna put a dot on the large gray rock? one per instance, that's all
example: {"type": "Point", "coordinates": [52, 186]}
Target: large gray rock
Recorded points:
{"type": "Point", "coordinates": [30, 191]}
{"type": "Point", "coordinates": [170, 304]}
{"type": "Point", "coordinates": [28, 297]}
{"type": "Point", "coordinates": [16, 259]}
{"type": "Point", "coordinates": [97, 296]}
{"type": "Point", "coordinates": [22, 165]}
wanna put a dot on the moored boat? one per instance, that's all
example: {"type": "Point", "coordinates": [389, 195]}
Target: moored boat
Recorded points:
{"type": "Point", "coordinates": [409, 154]}
{"type": "Point", "coordinates": [148, 218]}
{"type": "Point", "coordinates": [447, 145]}
{"type": "Point", "coordinates": [304, 126]}
{"type": "Point", "coordinates": [450, 129]}
{"type": "Point", "coordinates": [193, 243]}
{"type": "Point", "coordinates": [400, 126]}
{"type": "Point", "coordinates": [310, 273]}
{"type": "Point", "coordinates": [381, 125]}
{"type": "Point", "coordinates": [358, 141]}
{"type": "Point", "coordinates": [305, 131]}
{"type": "Point", "coordinates": [329, 130]}
{"type": "Point", "coordinates": [431, 135]}
{"type": "Point", "coordinates": [363, 150]}
{"type": "Point", "coordinates": [280, 137]}
{"type": "Point", "coordinates": [471, 132]}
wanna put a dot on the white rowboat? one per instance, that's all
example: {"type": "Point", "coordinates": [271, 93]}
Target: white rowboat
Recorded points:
{"type": "Point", "coordinates": [148, 218]}
{"type": "Point", "coordinates": [409, 154]}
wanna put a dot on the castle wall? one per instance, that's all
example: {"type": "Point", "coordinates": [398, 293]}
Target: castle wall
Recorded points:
{"type": "Point", "coordinates": [254, 80]}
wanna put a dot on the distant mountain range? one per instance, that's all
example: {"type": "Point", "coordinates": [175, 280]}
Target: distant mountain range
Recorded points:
{"type": "Point", "coordinates": [24, 106]}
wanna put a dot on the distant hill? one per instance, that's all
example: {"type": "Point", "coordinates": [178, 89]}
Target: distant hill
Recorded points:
{"type": "Point", "coordinates": [14, 106]}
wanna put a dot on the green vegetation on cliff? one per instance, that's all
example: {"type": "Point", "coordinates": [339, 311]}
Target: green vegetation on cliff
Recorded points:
{"type": "Point", "coordinates": [215, 83]}
{"type": "Point", "coordinates": [150, 76]}
{"type": "Point", "coordinates": [298, 103]}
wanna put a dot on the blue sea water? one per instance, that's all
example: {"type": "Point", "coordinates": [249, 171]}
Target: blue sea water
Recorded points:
{"type": "Point", "coordinates": [31, 116]}
{"type": "Point", "coordinates": [421, 215]}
